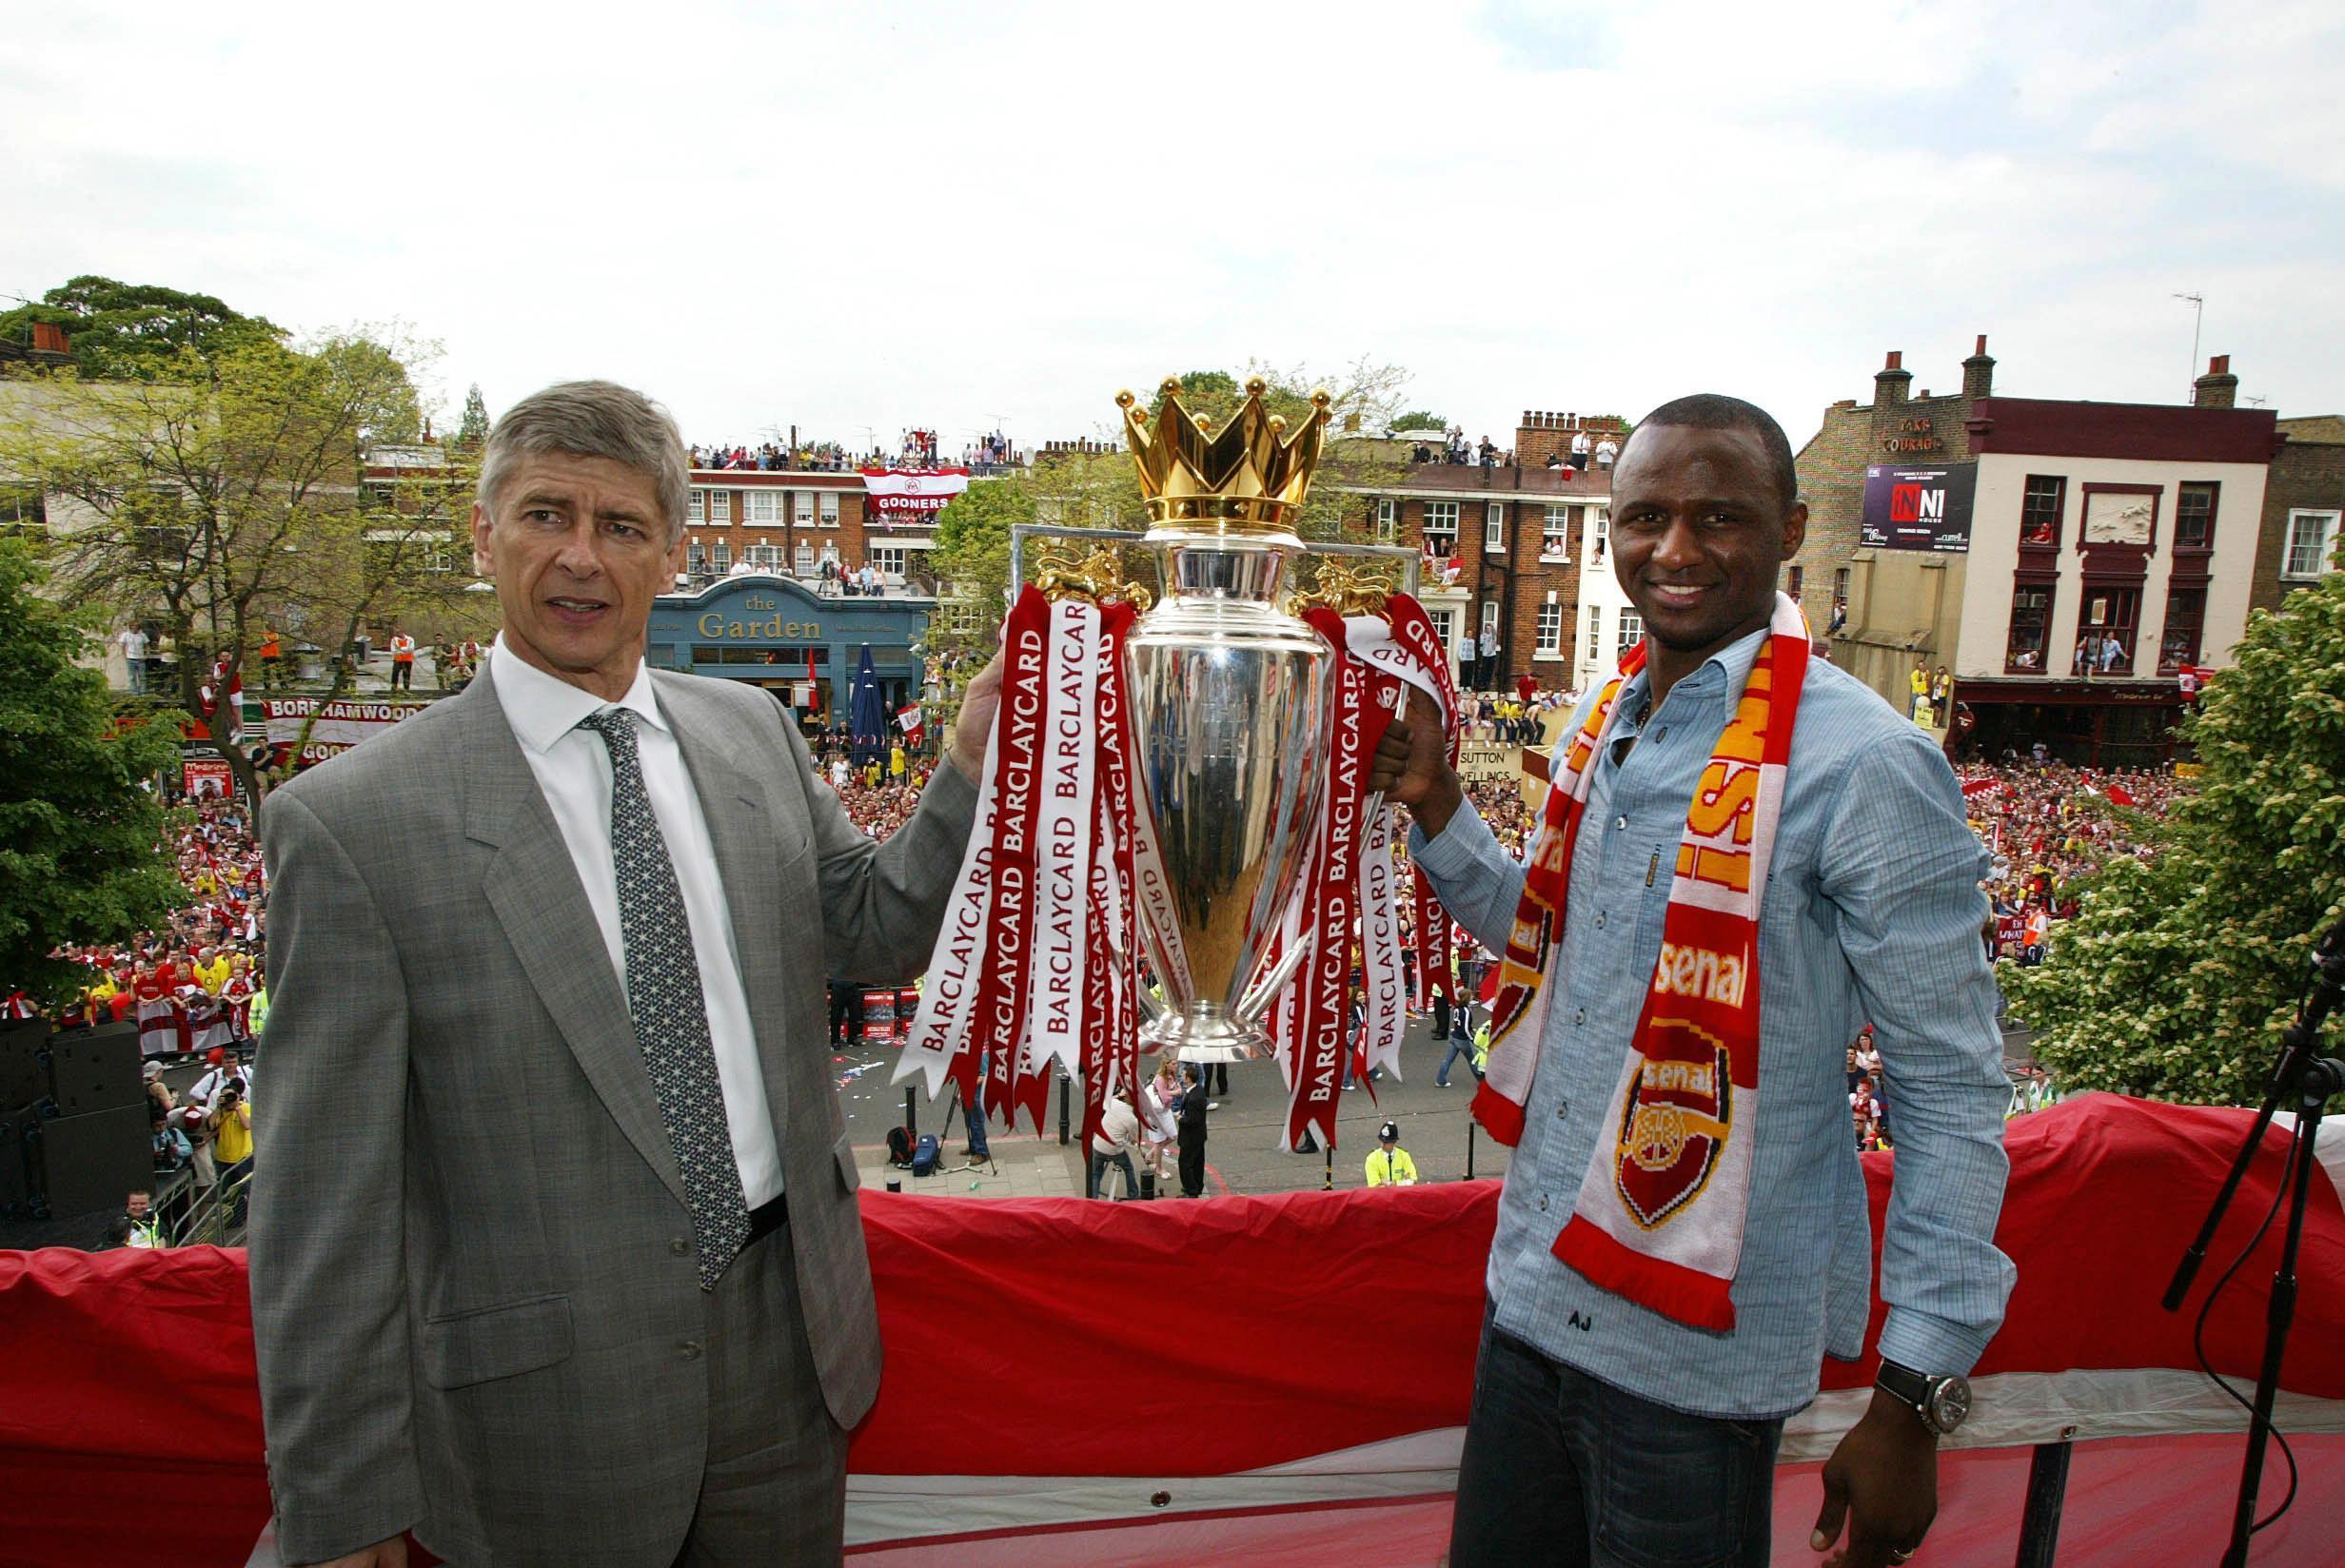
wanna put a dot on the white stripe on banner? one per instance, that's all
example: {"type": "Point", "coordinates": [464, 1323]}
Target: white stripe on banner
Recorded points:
{"type": "Point", "coordinates": [1384, 1005]}
{"type": "Point", "coordinates": [1063, 828]}
{"type": "Point", "coordinates": [949, 994]}
{"type": "Point", "coordinates": [2010, 1410]}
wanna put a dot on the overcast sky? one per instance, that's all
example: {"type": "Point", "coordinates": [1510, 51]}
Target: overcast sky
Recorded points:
{"type": "Point", "coordinates": [867, 217]}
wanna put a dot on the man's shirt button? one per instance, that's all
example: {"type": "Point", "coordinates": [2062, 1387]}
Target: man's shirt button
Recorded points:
{"type": "Point", "coordinates": [680, 1247]}
{"type": "Point", "coordinates": [1620, 822]}
{"type": "Point", "coordinates": [689, 1351]}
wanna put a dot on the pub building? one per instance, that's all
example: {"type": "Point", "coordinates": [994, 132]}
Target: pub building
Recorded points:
{"type": "Point", "coordinates": [2075, 566]}
{"type": "Point", "coordinates": [802, 645]}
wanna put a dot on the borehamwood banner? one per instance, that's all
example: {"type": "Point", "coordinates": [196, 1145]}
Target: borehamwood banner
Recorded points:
{"type": "Point", "coordinates": [340, 724]}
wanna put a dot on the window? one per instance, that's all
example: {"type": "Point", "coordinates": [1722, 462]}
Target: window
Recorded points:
{"type": "Point", "coordinates": [696, 560]}
{"type": "Point", "coordinates": [2312, 541]}
{"type": "Point", "coordinates": [1445, 624]}
{"type": "Point", "coordinates": [1555, 538]}
{"type": "Point", "coordinates": [1631, 632]}
{"type": "Point", "coordinates": [1489, 616]}
{"type": "Point", "coordinates": [889, 559]}
{"type": "Point", "coordinates": [1550, 630]}
{"type": "Point", "coordinates": [695, 506]}
{"type": "Point", "coordinates": [2031, 623]}
{"type": "Point", "coordinates": [1494, 528]}
{"type": "Point", "coordinates": [1388, 519]}
{"type": "Point", "coordinates": [2186, 613]}
{"type": "Point", "coordinates": [806, 558]}
{"type": "Point", "coordinates": [436, 557]}
{"type": "Point", "coordinates": [1595, 634]}
{"type": "Point", "coordinates": [763, 505]}
{"type": "Point", "coordinates": [1840, 585]}
{"type": "Point", "coordinates": [2039, 510]}
{"type": "Point", "coordinates": [2105, 632]}
{"type": "Point", "coordinates": [765, 557]}
{"type": "Point", "coordinates": [720, 559]}
{"type": "Point", "coordinates": [830, 508]}
{"type": "Point", "coordinates": [1799, 576]}
{"type": "Point", "coordinates": [720, 507]}
{"type": "Point", "coordinates": [805, 507]}
{"type": "Point", "coordinates": [2194, 516]}
{"type": "Point", "coordinates": [1599, 529]}
{"type": "Point", "coordinates": [1441, 526]}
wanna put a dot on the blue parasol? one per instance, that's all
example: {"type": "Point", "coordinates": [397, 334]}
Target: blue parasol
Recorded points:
{"type": "Point", "coordinates": [867, 713]}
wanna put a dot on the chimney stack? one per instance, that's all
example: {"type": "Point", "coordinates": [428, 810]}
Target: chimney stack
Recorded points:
{"type": "Point", "coordinates": [1979, 372]}
{"type": "Point", "coordinates": [2218, 387]}
{"type": "Point", "coordinates": [1891, 382]}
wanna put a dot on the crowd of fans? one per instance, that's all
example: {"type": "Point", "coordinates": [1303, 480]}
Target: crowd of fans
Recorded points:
{"type": "Point", "coordinates": [814, 458]}
{"type": "Point", "coordinates": [2049, 823]}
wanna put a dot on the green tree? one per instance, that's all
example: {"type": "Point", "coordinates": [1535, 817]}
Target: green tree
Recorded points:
{"type": "Point", "coordinates": [227, 495]}
{"type": "Point", "coordinates": [81, 856]}
{"type": "Point", "coordinates": [2174, 976]}
{"type": "Point", "coordinates": [472, 433]}
{"type": "Point", "coordinates": [1419, 419]}
{"type": "Point", "coordinates": [137, 331]}
{"type": "Point", "coordinates": [972, 559]}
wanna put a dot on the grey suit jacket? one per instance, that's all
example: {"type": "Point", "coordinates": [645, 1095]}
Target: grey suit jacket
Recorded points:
{"type": "Point", "coordinates": [473, 1293]}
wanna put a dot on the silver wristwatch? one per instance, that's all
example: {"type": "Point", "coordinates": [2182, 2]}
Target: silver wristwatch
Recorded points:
{"type": "Point", "coordinates": [1941, 1402]}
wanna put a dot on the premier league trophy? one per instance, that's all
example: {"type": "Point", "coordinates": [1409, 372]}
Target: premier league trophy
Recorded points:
{"type": "Point", "coordinates": [1229, 699]}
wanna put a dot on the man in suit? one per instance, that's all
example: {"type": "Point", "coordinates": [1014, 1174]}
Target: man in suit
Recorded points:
{"type": "Point", "coordinates": [557, 1258]}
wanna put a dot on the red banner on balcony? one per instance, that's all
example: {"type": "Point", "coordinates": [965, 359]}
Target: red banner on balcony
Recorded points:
{"type": "Point", "coordinates": [897, 498]}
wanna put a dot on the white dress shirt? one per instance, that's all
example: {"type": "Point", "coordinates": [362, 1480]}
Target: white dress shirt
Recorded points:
{"type": "Point", "coordinates": [573, 769]}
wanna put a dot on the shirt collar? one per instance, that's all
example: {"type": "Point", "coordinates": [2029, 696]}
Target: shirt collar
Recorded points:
{"type": "Point", "coordinates": [541, 710]}
{"type": "Point", "coordinates": [1732, 663]}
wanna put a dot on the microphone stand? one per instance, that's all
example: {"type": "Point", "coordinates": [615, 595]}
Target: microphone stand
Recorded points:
{"type": "Point", "coordinates": [2308, 1079]}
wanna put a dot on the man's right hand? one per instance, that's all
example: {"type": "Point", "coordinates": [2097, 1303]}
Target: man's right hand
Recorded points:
{"type": "Point", "coordinates": [1411, 765]}
{"type": "Point", "coordinates": [383, 1553]}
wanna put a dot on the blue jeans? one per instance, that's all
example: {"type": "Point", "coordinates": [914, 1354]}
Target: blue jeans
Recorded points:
{"type": "Point", "coordinates": [1457, 1047]}
{"type": "Point", "coordinates": [976, 1117]}
{"type": "Point", "coordinates": [1100, 1163]}
{"type": "Point", "coordinates": [1562, 1469]}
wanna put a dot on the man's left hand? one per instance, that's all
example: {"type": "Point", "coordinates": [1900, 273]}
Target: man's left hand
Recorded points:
{"type": "Point", "coordinates": [975, 727]}
{"type": "Point", "coordinates": [1884, 1479]}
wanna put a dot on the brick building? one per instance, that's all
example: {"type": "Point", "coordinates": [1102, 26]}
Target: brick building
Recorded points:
{"type": "Point", "coordinates": [1898, 427]}
{"type": "Point", "coordinates": [1504, 542]}
{"type": "Point", "coordinates": [2303, 501]}
{"type": "Point", "coordinates": [789, 522]}
{"type": "Point", "coordinates": [2071, 568]}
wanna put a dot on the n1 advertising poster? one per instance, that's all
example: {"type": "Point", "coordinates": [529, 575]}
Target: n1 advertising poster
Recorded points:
{"type": "Point", "coordinates": [1919, 506]}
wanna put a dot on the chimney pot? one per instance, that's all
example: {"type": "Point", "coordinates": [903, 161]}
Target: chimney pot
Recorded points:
{"type": "Point", "coordinates": [2219, 365]}
{"type": "Point", "coordinates": [1897, 360]}
{"type": "Point", "coordinates": [1981, 346]}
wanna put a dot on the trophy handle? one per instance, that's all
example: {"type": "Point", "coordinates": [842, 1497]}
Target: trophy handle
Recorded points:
{"type": "Point", "coordinates": [1257, 1000]}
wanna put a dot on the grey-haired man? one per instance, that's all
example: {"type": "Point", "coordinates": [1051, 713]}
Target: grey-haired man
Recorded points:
{"type": "Point", "coordinates": [559, 1258]}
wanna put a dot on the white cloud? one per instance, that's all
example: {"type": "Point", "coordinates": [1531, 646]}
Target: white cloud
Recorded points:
{"type": "Point", "coordinates": [868, 217]}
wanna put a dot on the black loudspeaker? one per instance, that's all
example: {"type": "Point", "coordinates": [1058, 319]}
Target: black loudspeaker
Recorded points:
{"type": "Point", "coordinates": [23, 1075]}
{"type": "Point", "coordinates": [95, 1070]}
{"type": "Point", "coordinates": [91, 1163]}
{"type": "Point", "coordinates": [16, 1174]}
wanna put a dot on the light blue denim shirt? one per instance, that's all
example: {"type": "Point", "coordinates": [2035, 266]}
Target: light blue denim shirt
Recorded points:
{"type": "Point", "coordinates": [1872, 911]}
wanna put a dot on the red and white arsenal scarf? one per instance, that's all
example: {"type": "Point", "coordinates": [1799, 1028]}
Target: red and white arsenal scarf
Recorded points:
{"type": "Point", "coordinates": [1659, 1217]}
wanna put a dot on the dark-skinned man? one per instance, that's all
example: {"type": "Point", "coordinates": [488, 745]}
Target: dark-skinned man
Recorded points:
{"type": "Point", "coordinates": [1747, 855]}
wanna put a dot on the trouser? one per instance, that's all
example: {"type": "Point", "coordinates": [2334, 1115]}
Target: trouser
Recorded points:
{"type": "Point", "coordinates": [1192, 1169]}
{"type": "Point", "coordinates": [1459, 1046]}
{"type": "Point", "coordinates": [402, 674]}
{"type": "Point", "coordinates": [136, 670]}
{"type": "Point", "coordinates": [1562, 1469]}
{"type": "Point", "coordinates": [1441, 1015]}
{"type": "Point", "coordinates": [1210, 1073]}
{"type": "Point", "coordinates": [775, 1489]}
{"type": "Point", "coordinates": [846, 1015]}
{"type": "Point", "coordinates": [976, 1118]}
{"type": "Point", "coordinates": [1095, 1183]}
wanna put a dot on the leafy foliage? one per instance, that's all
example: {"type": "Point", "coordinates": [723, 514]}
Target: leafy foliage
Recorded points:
{"type": "Point", "coordinates": [2174, 975]}
{"type": "Point", "coordinates": [138, 331]}
{"type": "Point", "coordinates": [80, 841]}
{"type": "Point", "coordinates": [1419, 419]}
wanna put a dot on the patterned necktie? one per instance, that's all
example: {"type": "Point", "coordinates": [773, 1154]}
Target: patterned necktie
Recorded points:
{"type": "Point", "coordinates": [670, 1017]}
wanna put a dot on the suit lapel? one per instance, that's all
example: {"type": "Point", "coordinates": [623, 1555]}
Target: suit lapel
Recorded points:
{"type": "Point", "coordinates": [533, 886]}
{"type": "Point", "coordinates": [743, 829]}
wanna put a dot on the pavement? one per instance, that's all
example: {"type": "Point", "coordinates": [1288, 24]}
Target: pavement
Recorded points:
{"type": "Point", "coordinates": [1241, 1152]}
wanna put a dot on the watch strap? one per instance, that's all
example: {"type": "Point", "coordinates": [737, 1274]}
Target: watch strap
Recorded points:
{"type": "Point", "coordinates": [1904, 1383]}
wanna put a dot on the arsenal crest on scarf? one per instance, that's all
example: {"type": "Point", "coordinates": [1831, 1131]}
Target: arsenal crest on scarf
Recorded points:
{"type": "Point", "coordinates": [1171, 824]}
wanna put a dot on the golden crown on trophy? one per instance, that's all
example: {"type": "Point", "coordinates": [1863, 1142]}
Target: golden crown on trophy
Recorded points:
{"type": "Point", "coordinates": [1250, 478]}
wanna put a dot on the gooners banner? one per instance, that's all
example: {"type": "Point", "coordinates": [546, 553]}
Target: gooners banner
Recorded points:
{"type": "Point", "coordinates": [896, 498]}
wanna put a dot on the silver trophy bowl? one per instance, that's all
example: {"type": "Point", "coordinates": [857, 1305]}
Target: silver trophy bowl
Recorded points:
{"type": "Point", "coordinates": [1230, 719]}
